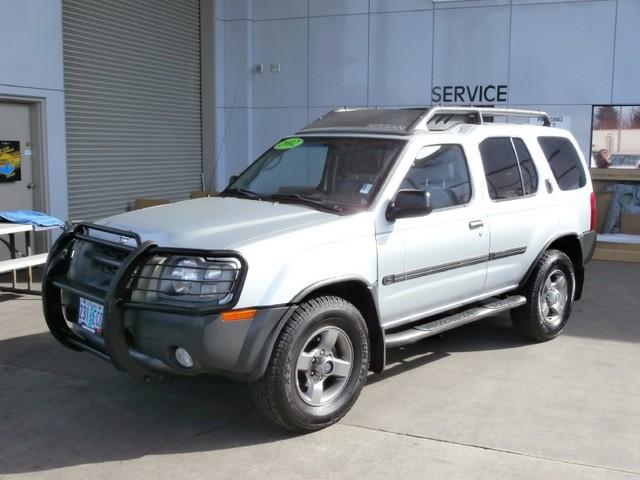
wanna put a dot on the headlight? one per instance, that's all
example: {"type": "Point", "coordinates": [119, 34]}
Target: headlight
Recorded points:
{"type": "Point", "coordinates": [182, 278]}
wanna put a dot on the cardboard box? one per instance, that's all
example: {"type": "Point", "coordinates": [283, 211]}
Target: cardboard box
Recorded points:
{"type": "Point", "coordinates": [140, 203]}
{"type": "Point", "coordinates": [630, 223]}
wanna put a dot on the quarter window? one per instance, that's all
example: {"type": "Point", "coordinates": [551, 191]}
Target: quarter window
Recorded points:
{"type": "Point", "coordinates": [564, 162]}
{"type": "Point", "coordinates": [442, 171]}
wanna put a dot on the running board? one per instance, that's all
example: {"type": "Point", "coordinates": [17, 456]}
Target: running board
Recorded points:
{"type": "Point", "coordinates": [435, 327]}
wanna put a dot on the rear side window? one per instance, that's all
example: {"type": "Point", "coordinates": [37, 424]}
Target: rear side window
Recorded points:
{"type": "Point", "coordinates": [528, 169]}
{"type": "Point", "coordinates": [501, 168]}
{"type": "Point", "coordinates": [564, 162]}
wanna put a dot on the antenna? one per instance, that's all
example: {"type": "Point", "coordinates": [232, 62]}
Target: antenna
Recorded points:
{"type": "Point", "coordinates": [221, 147]}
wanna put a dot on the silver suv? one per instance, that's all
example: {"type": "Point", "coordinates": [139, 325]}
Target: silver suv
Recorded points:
{"type": "Point", "coordinates": [366, 230]}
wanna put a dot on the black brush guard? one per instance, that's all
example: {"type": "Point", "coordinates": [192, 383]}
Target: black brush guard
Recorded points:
{"type": "Point", "coordinates": [116, 349]}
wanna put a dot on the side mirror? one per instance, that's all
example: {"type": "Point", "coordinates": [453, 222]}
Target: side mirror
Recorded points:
{"type": "Point", "coordinates": [232, 179]}
{"type": "Point", "coordinates": [409, 203]}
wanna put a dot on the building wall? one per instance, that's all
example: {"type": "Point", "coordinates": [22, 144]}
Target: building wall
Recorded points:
{"type": "Point", "coordinates": [31, 53]}
{"type": "Point", "coordinates": [559, 56]}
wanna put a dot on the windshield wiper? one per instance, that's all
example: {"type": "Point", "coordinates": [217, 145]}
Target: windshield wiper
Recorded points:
{"type": "Point", "coordinates": [241, 192]}
{"type": "Point", "coordinates": [306, 200]}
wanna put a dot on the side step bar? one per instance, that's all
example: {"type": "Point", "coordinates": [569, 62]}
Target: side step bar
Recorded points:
{"type": "Point", "coordinates": [435, 327]}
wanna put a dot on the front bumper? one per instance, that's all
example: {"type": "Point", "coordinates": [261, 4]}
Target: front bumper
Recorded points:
{"type": "Point", "coordinates": [141, 339]}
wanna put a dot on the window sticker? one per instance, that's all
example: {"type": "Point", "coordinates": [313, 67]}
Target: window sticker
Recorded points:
{"type": "Point", "coordinates": [289, 143]}
{"type": "Point", "coordinates": [366, 188]}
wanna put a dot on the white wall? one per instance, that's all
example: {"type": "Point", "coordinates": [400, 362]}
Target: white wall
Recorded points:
{"type": "Point", "coordinates": [31, 53]}
{"type": "Point", "coordinates": [561, 56]}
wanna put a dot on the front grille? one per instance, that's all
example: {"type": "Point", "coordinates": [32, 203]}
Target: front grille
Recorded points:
{"type": "Point", "coordinates": [106, 260]}
{"type": "Point", "coordinates": [95, 264]}
{"type": "Point", "coordinates": [93, 261]}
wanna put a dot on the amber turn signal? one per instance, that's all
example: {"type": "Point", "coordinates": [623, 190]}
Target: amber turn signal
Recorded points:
{"type": "Point", "coordinates": [237, 315]}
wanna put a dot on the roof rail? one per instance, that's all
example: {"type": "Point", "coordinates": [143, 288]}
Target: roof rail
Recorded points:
{"type": "Point", "coordinates": [475, 115]}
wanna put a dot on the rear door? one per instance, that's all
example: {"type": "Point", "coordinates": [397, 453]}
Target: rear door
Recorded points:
{"type": "Point", "coordinates": [517, 209]}
{"type": "Point", "coordinates": [434, 261]}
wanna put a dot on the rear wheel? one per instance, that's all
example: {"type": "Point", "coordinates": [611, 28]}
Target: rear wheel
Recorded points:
{"type": "Point", "coordinates": [318, 366]}
{"type": "Point", "coordinates": [549, 294]}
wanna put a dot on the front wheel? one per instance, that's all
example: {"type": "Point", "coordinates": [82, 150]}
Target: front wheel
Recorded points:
{"type": "Point", "coordinates": [318, 366]}
{"type": "Point", "coordinates": [549, 294]}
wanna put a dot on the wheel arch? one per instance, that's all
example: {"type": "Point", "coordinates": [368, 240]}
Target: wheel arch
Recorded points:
{"type": "Point", "coordinates": [571, 246]}
{"type": "Point", "coordinates": [362, 295]}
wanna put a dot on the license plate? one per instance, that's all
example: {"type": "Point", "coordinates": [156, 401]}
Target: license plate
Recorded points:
{"type": "Point", "coordinates": [90, 316]}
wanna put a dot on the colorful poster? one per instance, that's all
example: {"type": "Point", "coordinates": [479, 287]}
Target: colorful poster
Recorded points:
{"type": "Point", "coordinates": [10, 161]}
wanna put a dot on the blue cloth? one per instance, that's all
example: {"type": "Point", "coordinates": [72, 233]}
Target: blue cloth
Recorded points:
{"type": "Point", "coordinates": [30, 217]}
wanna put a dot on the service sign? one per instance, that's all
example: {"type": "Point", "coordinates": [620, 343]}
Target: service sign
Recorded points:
{"type": "Point", "coordinates": [469, 94]}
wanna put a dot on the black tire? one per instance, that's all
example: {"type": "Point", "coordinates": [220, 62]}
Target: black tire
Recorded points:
{"type": "Point", "coordinates": [541, 318]}
{"type": "Point", "coordinates": [285, 392]}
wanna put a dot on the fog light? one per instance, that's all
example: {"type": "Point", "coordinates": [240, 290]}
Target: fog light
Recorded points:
{"type": "Point", "coordinates": [183, 358]}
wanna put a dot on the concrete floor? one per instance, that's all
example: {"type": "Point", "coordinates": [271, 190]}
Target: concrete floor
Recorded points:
{"type": "Point", "coordinates": [476, 403]}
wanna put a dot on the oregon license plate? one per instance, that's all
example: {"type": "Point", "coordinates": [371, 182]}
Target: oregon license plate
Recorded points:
{"type": "Point", "coordinates": [90, 316]}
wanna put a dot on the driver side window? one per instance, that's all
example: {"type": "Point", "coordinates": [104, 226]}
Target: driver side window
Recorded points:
{"type": "Point", "coordinates": [442, 171]}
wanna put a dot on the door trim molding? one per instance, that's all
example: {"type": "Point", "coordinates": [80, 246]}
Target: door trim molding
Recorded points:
{"type": "Point", "coordinates": [445, 267]}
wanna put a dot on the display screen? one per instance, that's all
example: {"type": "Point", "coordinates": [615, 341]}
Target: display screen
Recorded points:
{"type": "Point", "coordinates": [615, 140]}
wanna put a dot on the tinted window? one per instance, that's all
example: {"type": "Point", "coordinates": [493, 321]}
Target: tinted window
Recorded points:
{"type": "Point", "coordinates": [564, 162]}
{"type": "Point", "coordinates": [528, 169]}
{"type": "Point", "coordinates": [501, 168]}
{"type": "Point", "coordinates": [442, 171]}
{"type": "Point", "coordinates": [301, 167]}
{"type": "Point", "coordinates": [344, 172]}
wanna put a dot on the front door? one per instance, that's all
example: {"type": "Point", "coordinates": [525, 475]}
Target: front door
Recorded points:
{"type": "Point", "coordinates": [16, 182]}
{"type": "Point", "coordinates": [430, 263]}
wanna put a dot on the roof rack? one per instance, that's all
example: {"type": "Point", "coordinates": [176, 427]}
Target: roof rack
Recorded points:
{"type": "Point", "coordinates": [474, 115]}
{"type": "Point", "coordinates": [405, 121]}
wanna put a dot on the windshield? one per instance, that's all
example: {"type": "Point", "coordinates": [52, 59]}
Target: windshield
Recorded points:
{"type": "Point", "coordinates": [338, 174]}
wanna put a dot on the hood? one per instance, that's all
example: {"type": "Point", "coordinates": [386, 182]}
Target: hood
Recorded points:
{"type": "Point", "coordinates": [216, 222]}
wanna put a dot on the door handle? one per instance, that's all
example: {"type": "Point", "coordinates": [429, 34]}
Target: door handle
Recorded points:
{"type": "Point", "coordinates": [31, 186]}
{"type": "Point", "coordinates": [475, 224]}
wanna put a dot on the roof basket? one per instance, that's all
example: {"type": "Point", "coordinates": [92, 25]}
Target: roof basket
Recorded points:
{"type": "Point", "coordinates": [405, 121]}
{"type": "Point", "coordinates": [441, 118]}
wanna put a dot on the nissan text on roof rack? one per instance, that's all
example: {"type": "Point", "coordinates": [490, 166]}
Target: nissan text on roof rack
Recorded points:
{"type": "Point", "coordinates": [366, 230]}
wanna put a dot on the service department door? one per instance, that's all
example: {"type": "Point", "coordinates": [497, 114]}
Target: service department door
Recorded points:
{"type": "Point", "coordinates": [132, 101]}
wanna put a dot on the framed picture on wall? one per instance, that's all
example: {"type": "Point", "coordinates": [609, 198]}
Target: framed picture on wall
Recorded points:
{"type": "Point", "coordinates": [10, 161]}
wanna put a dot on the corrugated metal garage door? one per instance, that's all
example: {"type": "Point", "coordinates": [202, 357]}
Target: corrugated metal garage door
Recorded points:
{"type": "Point", "coordinates": [133, 102]}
